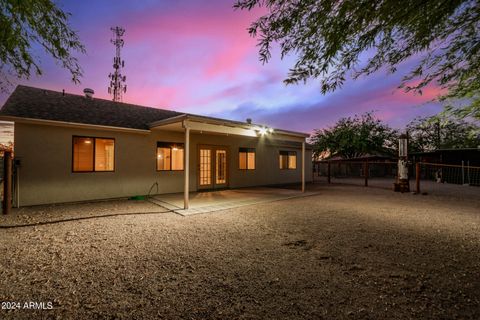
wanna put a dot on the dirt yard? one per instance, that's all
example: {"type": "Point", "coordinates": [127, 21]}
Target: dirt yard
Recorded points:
{"type": "Point", "coordinates": [347, 253]}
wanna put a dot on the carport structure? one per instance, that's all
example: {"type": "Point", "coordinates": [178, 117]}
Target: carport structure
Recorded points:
{"type": "Point", "coordinates": [188, 124]}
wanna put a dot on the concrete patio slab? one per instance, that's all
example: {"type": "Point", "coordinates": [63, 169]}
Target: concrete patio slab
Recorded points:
{"type": "Point", "coordinates": [204, 202]}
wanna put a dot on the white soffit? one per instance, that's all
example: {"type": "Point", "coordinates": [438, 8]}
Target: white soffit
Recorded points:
{"type": "Point", "coordinates": [219, 126]}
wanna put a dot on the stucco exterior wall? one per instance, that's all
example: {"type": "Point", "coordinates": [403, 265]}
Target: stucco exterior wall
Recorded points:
{"type": "Point", "coordinates": [45, 173]}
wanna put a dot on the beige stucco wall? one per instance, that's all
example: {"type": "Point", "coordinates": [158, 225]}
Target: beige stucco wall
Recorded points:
{"type": "Point", "coordinates": [45, 174]}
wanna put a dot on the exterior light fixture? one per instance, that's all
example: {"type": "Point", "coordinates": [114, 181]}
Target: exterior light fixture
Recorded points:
{"type": "Point", "coordinates": [261, 131]}
{"type": "Point", "coordinates": [88, 141]}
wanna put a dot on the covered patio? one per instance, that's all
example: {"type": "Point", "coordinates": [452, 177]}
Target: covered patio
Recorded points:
{"type": "Point", "coordinates": [188, 123]}
{"type": "Point", "coordinates": [204, 202]}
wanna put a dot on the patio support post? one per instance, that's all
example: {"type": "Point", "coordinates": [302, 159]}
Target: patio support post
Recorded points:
{"type": "Point", "coordinates": [186, 166]}
{"type": "Point", "coordinates": [303, 166]}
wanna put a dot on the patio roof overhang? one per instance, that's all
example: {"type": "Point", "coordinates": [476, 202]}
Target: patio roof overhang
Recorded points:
{"type": "Point", "coordinates": [226, 127]}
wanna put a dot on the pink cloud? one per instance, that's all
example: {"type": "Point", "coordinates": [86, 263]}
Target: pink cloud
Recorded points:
{"type": "Point", "coordinates": [161, 97]}
{"type": "Point", "coordinates": [219, 42]}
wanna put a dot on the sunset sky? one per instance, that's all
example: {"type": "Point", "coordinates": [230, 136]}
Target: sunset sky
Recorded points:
{"type": "Point", "coordinates": [197, 57]}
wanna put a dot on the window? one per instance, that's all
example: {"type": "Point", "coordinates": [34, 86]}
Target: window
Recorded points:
{"type": "Point", "coordinates": [93, 154]}
{"type": "Point", "coordinates": [288, 160]}
{"type": "Point", "coordinates": [246, 159]}
{"type": "Point", "coordinates": [169, 156]}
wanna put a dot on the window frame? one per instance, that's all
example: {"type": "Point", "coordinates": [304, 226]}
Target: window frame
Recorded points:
{"type": "Point", "coordinates": [93, 154]}
{"type": "Point", "coordinates": [288, 154]}
{"type": "Point", "coordinates": [247, 151]}
{"type": "Point", "coordinates": [162, 144]}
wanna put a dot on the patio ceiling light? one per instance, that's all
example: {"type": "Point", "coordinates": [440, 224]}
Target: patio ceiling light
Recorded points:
{"type": "Point", "coordinates": [262, 131]}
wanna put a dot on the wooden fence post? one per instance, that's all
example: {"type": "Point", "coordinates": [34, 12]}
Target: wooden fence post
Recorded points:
{"type": "Point", "coordinates": [328, 172]}
{"type": "Point", "coordinates": [365, 172]}
{"type": "Point", "coordinates": [314, 165]}
{"type": "Point", "coordinates": [7, 182]}
{"type": "Point", "coordinates": [417, 177]}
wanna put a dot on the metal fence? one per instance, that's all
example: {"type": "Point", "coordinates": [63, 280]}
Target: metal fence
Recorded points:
{"type": "Point", "coordinates": [373, 174]}
{"type": "Point", "coordinates": [425, 178]}
{"type": "Point", "coordinates": [447, 179]}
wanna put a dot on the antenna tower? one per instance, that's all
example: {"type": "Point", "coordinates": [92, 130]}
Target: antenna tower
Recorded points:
{"type": "Point", "coordinates": [117, 80]}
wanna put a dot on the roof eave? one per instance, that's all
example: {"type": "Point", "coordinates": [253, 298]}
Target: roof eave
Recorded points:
{"type": "Point", "coordinates": [70, 124]}
{"type": "Point", "coordinates": [224, 122]}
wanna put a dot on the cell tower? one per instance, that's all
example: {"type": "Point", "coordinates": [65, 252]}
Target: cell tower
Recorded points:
{"type": "Point", "coordinates": [117, 80]}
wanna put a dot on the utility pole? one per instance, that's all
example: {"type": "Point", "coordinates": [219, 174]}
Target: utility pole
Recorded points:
{"type": "Point", "coordinates": [117, 80]}
{"type": "Point", "coordinates": [402, 184]}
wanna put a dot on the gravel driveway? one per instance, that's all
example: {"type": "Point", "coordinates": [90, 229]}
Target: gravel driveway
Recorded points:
{"type": "Point", "coordinates": [347, 253]}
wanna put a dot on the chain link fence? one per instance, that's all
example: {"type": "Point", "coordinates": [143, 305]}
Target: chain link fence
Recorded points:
{"type": "Point", "coordinates": [447, 179]}
{"type": "Point", "coordinates": [381, 174]}
{"type": "Point", "coordinates": [425, 178]}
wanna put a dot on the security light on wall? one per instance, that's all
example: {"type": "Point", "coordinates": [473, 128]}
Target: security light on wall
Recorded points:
{"type": "Point", "coordinates": [263, 130]}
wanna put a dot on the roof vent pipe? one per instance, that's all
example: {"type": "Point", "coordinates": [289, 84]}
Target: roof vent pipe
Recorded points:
{"type": "Point", "coordinates": [88, 93]}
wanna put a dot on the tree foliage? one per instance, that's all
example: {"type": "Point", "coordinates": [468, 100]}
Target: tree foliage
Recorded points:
{"type": "Point", "coordinates": [426, 134]}
{"type": "Point", "coordinates": [26, 23]}
{"type": "Point", "coordinates": [355, 137]}
{"type": "Point", "coordinates": [335, 39]}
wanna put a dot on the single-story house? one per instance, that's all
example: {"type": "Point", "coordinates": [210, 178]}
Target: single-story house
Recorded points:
{"type": "Point", "coordinates": [76, 148]}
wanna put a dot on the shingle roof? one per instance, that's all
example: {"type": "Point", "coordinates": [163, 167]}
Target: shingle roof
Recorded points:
{"type": "Point", "coordinates": [35, 103]}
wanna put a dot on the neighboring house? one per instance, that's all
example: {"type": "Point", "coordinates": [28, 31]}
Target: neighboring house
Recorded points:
{"type": "Point", "coordinates": [465, 156]}
{"type": "Point", "coordinates": [76, 148]}
{"type": "Point", "coordinates": [457, 166]}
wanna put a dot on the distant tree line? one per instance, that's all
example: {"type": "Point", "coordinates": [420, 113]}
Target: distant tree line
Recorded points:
{"type": "Point", "coordinates": [365, 134]}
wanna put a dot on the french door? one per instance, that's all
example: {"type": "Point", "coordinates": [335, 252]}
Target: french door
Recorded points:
{"type": "Point", "coordinates": [212, 167]}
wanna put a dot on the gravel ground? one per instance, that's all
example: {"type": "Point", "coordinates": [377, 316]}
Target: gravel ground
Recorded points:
{"type": "Point", "coordinates": [348, 253]}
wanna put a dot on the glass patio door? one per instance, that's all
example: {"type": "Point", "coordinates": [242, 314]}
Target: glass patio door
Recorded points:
{"type": "Point", "coordinates": [213, 167]}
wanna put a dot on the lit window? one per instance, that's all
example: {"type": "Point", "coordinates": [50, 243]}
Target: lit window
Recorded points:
{"type": "Point", "coordinates": [246, 159]}
{"type": "Point", "coordinates": [288, 160]}
{"type": "Point", "coordinates": [164, 158]}
{"type": "Point", "coordinates": [93, 154]}
{"type": "Point", "coordinates": [104, 154]}
{"type": "Point", "coordinates": [169, 156]}
{"type": "Point", "coordinates": [82, 154]}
